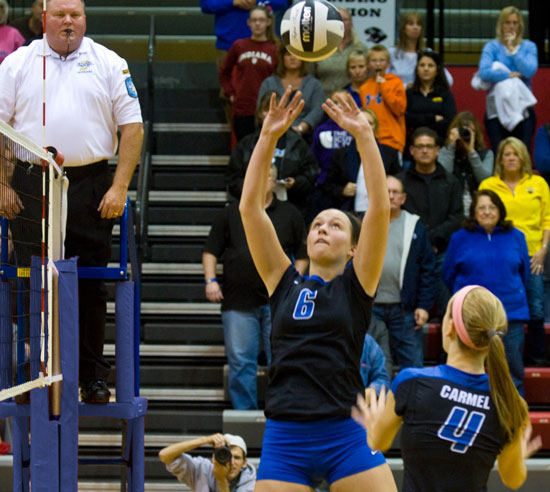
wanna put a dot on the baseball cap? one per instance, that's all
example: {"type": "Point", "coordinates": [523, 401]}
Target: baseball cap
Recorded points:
{"type": "Point", "coordinates": [236, 441]}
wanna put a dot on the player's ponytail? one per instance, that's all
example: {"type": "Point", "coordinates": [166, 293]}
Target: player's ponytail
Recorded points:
{"type": "Point", "coordinates": [481, 323]}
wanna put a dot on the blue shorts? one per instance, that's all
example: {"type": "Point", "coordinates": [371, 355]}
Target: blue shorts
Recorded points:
{"type": "Point", "coordinates": [308, 452]}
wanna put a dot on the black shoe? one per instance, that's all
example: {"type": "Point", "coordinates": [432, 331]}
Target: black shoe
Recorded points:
{"type": "Point", "coordinates": [95, 391]}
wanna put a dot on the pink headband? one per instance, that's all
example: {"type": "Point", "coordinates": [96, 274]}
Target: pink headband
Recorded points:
{"type": "Point", "coordinates": [458, 302]}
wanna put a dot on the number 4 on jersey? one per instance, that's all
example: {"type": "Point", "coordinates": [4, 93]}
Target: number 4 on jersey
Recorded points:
{"type": "Point", "coordinates": [305, 305]}
{"type": "Point", "coordinates": [461, 428]}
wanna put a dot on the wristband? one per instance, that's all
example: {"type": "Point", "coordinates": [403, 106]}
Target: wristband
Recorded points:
{"type": "Point", "coordinates": [210, 280]}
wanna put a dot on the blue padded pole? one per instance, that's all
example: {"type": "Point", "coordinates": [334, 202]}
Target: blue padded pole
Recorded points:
{"type": "Point", "coordinates": [6, 337]}
{"type": "Point", "coordinates": [124, 348]}
{"type": "Point", "coordinates": [21, 454]}
{"type": "Point", "coordinates": [137, 324]}
{"type": "Point", "coordinates": [68, 334]}
{"type": "Point", "coordinates": [35, 316]}
{"type": "Point", "coordinates": [21, 330]}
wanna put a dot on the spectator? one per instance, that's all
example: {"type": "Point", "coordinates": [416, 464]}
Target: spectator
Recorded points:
{"type": "Point", "coordinates": [436, 196]}
{"type": "Point", "coordinates": [385, 95]}
{"type": "Point", "coordinates": [107, 101]}
{"type": "Point", "coordinates": [246, 315]}
{"type": "Point", "coordinates": [10, 37]}
{"type": "Point", "coordinates": [410, 41]}
{"type": "Point", "coordinates": [345, 183]}
{"type": "Point", "coordinates": [373, 367]}
{"type": "Point", "coordinates": [331, 71]}
{"type": "Point", "coordinates": [292, 72]}
{"type": "Point", "coordinates": [296, 165]}
{"type": "Point", "coordinates": [357, 72]}
{"type": "Point", "coordinates": [405, 292]}
{"type": "Point", "coordinates": [466, 156]}
{"type": "Point", "coordinates": [490, 252]}
{"type": "Point", "coordinates": [506, 58]}
{"type": "Point", "coordinates": [230, 21]}
{"type": "Point", "coordinates": [527, 200]}
{"type": "Point", "coordinates": [430, 103]}
{"type": "Point", "coordinates": [203, 475]}
{"type": "Point", "coordinates": [248, 62]}
{"type": "Point", "coordinates": [30, 26]}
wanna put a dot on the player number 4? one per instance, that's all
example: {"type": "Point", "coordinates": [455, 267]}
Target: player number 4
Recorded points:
{"type": "Point", "coordinates": [461, 428]}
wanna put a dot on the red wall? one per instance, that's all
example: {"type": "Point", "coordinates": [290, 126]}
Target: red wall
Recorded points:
{"type": "Point", "coordinates": [469, 99]}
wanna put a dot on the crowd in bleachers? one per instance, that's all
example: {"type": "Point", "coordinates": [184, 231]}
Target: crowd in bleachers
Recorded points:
{"type": "Point", "coordinates": [439, 158]}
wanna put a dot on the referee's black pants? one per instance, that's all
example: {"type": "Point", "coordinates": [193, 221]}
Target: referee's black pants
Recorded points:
{"type": "Point", "coordinates": [88, 237]}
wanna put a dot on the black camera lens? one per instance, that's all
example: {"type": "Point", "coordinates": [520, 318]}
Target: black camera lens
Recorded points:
{"type": "Point", "coordinates": [223, 455]}
{"type": "Point", "coordinates": [464, 133]}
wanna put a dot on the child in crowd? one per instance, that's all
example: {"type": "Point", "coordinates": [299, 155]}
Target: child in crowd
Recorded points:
{"type": "Point", "coordinates": [249, 61]}
{"type": "Point", "coordinates": [357, 72]}
{"type": "Point", "coordinates": [385, 95]}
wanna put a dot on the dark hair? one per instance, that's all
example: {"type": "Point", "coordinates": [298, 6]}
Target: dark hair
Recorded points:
{"type": "Point", "coordinates": [355, 222]}
{"type": "Point", "coordinates": [424, 131]}
{"type": "Point", "coordinates": [263, 105]}
{"type": "Point", "coordinates": [464, 118]}
{"type": "Point", "coordinates": [280, 69]}
{"type": "Point", "coordinates": [470, 223]}
{"type": "Point", "coordinates": [440, 82]}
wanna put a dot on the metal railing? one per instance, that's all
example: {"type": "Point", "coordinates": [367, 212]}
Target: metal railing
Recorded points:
{"type": "Point", "coordinates": [145, 165]}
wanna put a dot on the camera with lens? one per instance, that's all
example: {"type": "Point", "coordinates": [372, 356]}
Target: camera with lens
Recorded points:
{"type": "Point", "coordinates": [464, 133]}
{"type": "Point", "coordinates": [223, 455]}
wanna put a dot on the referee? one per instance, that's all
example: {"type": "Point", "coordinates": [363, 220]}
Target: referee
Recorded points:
{"type": "Point", "coordinates": [89, 95]}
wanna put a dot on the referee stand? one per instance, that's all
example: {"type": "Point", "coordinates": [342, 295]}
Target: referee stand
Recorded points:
{"type": "Point", "coordinates": [52, 461]}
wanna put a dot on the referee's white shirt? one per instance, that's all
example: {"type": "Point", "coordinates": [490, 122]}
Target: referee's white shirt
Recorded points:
{"type": "Point", "coordinates": [88, 95]}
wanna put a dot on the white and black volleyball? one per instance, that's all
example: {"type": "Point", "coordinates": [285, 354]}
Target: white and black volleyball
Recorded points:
{"type": "Point", "coordinates": [312, 29]}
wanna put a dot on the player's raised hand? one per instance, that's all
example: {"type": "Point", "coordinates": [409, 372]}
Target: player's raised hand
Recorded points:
{"type": "Point", "coordinates": [345, 112]}
{"type": "Point", "coordinates": [281, 115]}
{"type": "Point", "coordinates": [367, 414]}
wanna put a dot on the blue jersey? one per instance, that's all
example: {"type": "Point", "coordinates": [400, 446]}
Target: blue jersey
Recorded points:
{"type": "Point", "coordinates": [451, 433]}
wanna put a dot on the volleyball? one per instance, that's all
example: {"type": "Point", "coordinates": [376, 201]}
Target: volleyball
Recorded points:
{"type": "Point", "coordinates": [312, 29]}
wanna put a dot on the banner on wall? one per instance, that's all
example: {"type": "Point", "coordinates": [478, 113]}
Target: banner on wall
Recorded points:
{"type": "Point", "coordinates": [373, 20]}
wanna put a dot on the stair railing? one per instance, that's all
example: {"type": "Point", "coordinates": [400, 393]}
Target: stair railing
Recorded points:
{"type": "Point", "coordinates": [145, 165]}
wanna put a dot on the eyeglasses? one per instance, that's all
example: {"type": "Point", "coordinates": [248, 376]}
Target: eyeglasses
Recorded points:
{"type": "Point", "coordinates": [425, 147]}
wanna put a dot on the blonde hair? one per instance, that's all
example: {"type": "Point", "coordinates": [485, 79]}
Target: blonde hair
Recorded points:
{"type": "Point", "coordinates": [378, 48]}
{"type": "Point", "coordinates": [504, 14]}
{"type": "Point", "coordinates": [520, 149]}
{"type": "Point", "coordinates": [485, 321]}
{"type": "Point", "coordinates": [374, 118]}
{"type": "Point", "coordinates": [354, 55]}
{"type": "Point", "coordinates": [402, 37]}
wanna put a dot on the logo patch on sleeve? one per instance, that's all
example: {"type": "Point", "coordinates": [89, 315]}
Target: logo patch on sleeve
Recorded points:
{"type": "Point", "coordinates": [131, 88]}
{"type": "Point", "coordinates": [125, 71]}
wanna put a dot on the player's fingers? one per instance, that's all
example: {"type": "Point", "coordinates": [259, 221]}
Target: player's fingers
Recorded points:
{"type": "Point", "coordinates": [358, 416]}
{"type": "Point", "coordinates": [284, 99]}
{"type": "Point", "coordinates": [295, 100]}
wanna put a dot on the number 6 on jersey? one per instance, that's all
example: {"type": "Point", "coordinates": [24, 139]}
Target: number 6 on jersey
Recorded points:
{"type": "Point", "coordinates": [305, 305]}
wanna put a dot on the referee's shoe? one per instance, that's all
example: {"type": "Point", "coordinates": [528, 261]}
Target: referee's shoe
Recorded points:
{"type": "Point", "coordinates": [95, 391]}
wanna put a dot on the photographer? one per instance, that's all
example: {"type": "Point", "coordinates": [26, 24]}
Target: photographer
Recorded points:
{"type": "Point", "coordinates": [466, 156]}
{"type": "Point", "coordinates": [226, 471]}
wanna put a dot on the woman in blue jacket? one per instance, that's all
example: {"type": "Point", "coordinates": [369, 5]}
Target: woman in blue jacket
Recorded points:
{"type": "Point", "coordinates": [490, 252]}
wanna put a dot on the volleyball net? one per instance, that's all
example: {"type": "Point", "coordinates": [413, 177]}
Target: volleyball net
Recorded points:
{"type": "Point", "coordinates": [32, 215]}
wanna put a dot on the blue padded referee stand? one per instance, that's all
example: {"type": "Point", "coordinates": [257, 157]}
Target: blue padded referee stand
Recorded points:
{"type": "Point", "coordinates": [53, 457]}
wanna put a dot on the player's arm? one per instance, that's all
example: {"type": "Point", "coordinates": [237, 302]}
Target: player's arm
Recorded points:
{"type": "Point", "coordinates": [266, 251]}
{"type": "Point", "coordinates": [511, 460]}
{"type": "Point", "coordinates": [371, 247]}
{"type": "Point", "coordinates": [131, 138]}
